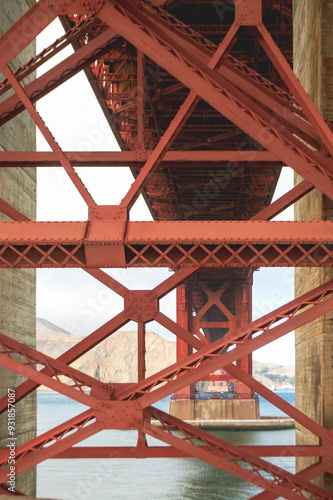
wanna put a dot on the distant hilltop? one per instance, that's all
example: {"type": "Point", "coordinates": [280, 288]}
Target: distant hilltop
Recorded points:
{"type": "Point", "coordinates": [115, 359]}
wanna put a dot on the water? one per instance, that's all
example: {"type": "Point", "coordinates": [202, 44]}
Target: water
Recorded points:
{"type": "Point", "coordinates": [149, 479]}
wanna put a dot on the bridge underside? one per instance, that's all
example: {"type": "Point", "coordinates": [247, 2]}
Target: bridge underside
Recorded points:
{"type": "Point", "coordinates": [206, 109]}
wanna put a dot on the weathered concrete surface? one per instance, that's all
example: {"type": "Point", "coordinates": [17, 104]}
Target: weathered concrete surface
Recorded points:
{"type": "Point", "coordinates": [215, 409]}
{"type": "Point", "coordinates": [261, 424]}
{"type": "Point", "coordinates": [17, 287]}
{"type": "Point", "coordinates": [313, 64]}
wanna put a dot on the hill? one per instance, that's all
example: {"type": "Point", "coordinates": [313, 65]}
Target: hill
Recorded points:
{"type": "Point", "coordinates": [115, 359]}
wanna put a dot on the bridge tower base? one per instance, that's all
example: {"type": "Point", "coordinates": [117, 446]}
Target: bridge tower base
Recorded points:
{"type": "Point", "coordinates": [210, 306]}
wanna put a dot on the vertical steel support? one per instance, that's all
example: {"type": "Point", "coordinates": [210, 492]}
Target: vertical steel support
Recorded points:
{"type": "Point", "coordinates": [140, 99]}
{"type": "Point", "coordinates": [141, 351]}
{"type": "Point", "coordinates": [184, 313]}
{"type": "Point", "coordinates": [244, 316]}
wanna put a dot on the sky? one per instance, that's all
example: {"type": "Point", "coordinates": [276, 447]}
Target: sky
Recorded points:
{"type": "Point", "coordinates": [72, 299]}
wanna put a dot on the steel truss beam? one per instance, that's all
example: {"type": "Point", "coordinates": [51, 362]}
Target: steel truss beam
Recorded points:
{"type": "Point", "coordinates": [25, 30]}
{"type": "Point", "coordinates": [172, 452]}
{"type": "Point", "coordinates": [247, 100]}
{"type": "Point", "coordinates": [62, 72]}
{"type": "Point", "coordinates": [61, 438]}
{"type": "Point", "coordinates": [220, 94]}
{"type": "Point", "coordinates": [51, 443]}
{"type": "Point", "coordinates": [174, 159]}
{"type": "Point", "coordinates": [165, 244]}
{"type": "Point", "coordinates": [55, 368]}
{"type": "Point", "coordinates": [174, 128]}
{"type": "Point", "coordinates": [36, 61]}
{"type": "Point", "coordinates": [48, 136]}
{"type": "Point", "coordinates": [257, 471]}
{"type": "Point", "coordinates": [211, 357]}
{"type": "Point", "coordinates": [34, 449]}
{"type": "Point", "coordinates": [234, 70]}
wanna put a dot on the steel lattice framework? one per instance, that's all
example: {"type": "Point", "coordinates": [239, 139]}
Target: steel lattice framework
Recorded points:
{"type": "Point", "coordinates": [189, 109]}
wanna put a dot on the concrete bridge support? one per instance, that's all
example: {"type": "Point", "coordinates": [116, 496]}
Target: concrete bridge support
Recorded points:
{"type": "Point", "coordinates": [17, 286]}
{"type": "Point", "coordinates": [313, 60]}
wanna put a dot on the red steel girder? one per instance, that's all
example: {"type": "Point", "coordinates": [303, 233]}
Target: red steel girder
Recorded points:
{"type": "Point", "coordinates": [193, 369]}
{"type": "Point", "coordinates": [238, 110]}
{"type": "Point", "coordinates": [309, 473]}
{"type": "Point", "coordinates": [240, 70]}
{"type": "Point", "coordinates": [210, 358]}
{"type": "Point", "coordinates": [25, 30]}
{"type": "Point", "coordinates": [238, 74]}
{"type": "Point", "coordinates": [59, 366]}
{"type": "Point", "coordinates": [48, 137]}
{"type": "Point", "coordinates": [285, 201]}
{"type": "Point", "coordinates": [36, 61]}
{"type": "Point", "coordinates": [73, 381]}
{"type": "Point", "coordinates": [166, 244]}
{"type": "Point", "coordinates": [50, 80]}
{"type": "Point", "coordinates": [58, 440]}
{"type": "Point", "coordinates": [257, 471]}
{"type": "Point", "coordinates": [296, 88]}
{"type": "Point", "coordinates": [174, 128]}
{"type": "Point", "coordinates": [171, 452]}
{"type": "Point", "coordinates": [70, 356]}
{"type": "Point", "coordinates": [233, 69]}
{"type": "Point", "coordinates": [12, 212]}
{"type": "Point", "coordinates": [306, 300]}
{"type": "Point", "coordinates": [87, 250]}
{"type": "Point", "coordinates": [50, 443]}
{"type": "Point", "coordinates": [241, 456]}
{"type": "Point", "coordinates": [276, 400]}
{"type": "Point", "coordinates": [174, 159]}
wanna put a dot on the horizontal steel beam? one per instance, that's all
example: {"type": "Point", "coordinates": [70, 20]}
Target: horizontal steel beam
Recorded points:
{"type": "Point", "coordinates": [171, 452]}
{"type": "Point", "coordinates": [191, 159]}
{"type": "Point", "coordinates": [117, 243]}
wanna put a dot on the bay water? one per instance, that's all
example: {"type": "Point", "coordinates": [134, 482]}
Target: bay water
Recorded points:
{"type": "Point", "coordinates": [149, 479]}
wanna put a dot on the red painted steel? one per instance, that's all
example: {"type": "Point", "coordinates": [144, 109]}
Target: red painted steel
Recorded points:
{"type": "Point", "coordinates": [43, 85]}
{"type": "Point", "coordinates": [48, 136]}
{"type": "Point", "coordinates": [229, 103]}
{"type": "Point", "coordinates": [24, 31]}
{"type": "Point", "coordinates": [115, 243]}
{"type": "Point", "coordinates": [171, 452]}
{"type": "Point", "coordinates": [210, 358]}
{"type": "Point", "coordinates": [219, 97]}
{"type": "Point", "coordinates": [254, 470]}
{"type": "Point", "coordinates": [175, 159]}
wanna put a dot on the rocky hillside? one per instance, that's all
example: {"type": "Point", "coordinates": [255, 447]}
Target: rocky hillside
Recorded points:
{"type": "Point", "coordinates": [115, 359]}
{"type": "Point", "coordinates": [272, 374]}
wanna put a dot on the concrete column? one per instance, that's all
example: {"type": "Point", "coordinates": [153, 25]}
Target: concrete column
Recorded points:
{"type": "Point", "coordinates": [313, 63]}
{"type": "Point", "coordinates": [17, 287]}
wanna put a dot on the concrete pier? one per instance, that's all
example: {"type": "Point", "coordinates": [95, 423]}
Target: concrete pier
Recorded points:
{"type": "Point", "coordinates": [215, 409]}
{"type": "Point", "coordinates": [261, 424]}
{"type": "Point", "coordinates": [17, 287]}
{"type": "Point", "coordinates": [313, 62]}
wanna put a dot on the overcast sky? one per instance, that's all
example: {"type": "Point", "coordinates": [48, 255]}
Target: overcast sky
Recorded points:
{"type": "Point", "coordinates": [72, 299]}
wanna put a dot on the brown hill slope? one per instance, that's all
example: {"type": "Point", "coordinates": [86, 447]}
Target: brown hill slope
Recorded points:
{"type": "Point", "coordinates": [115, 359]}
